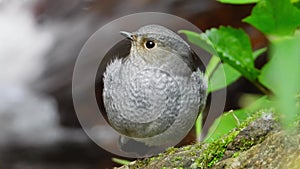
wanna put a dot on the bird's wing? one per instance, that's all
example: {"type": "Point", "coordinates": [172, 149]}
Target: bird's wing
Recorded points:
{"type": "Point", "coordinates": [196, 61]}
{"type": "Point", "coordinates": [120, 50]}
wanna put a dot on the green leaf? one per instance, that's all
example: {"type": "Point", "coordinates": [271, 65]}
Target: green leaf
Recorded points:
{"type": "Point", "coordinates": [217, 80]}
{"type": "Point", "coordinates": [275, 17]}
{"type": "Point", "coordinates": [120, 161]}
{"type": "Point", "coordinates": [297, 4]}
{"type": "Point", "coordinates": [200, 40]}
{"type": "Point", "coordinates": [198, 126]}
{"type": "Point", "coordinates": [246, 99]}
{"type": "Point", "coordinates": [232, 119]}
{"type": "Point", "coordinates": [224, 124]}
{"type": "Point", "coordinates": [238, 1]}
{"type": "Point", "coordinates": [282, 76]}
{"type": "Point", "coordinates": [212, 65]}
{"type": "Point", "coordinates": [222, 77]}
{"type": "Point", "coordinates": [258, 52]}
{"type": "Point", "coordinates": [234, 48]}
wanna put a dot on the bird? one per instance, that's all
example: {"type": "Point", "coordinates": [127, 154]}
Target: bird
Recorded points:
{"type": "Point", "coordinates": [154, 93]}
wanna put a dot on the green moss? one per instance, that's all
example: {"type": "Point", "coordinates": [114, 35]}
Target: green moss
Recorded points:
{"type": "Point", "coordinates": [186, 148]}
{"type": "Point", "coordinates": [171, 150]}
{"type": "Point", "coordinates": [215, 151]}
{"type": "Point", "coordinates": [236, 154]}
{"type": "Point", "coordinates": [199, 155]}
{"type": "Point", "coordinates": [139, 164]}
{"type": "Point", "coordinates": [246, 144]}
{"type": "Point", "coordinates": [178, 158]}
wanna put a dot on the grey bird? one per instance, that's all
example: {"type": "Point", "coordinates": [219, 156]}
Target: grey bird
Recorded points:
{"type": "Point", "coordinates": [154, 94]}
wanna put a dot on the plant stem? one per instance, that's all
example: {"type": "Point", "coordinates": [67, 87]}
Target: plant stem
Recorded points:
{"type": "Point", "coordinates": [212, 65]}
{"type": "Point", "coordinates": [262, 88]}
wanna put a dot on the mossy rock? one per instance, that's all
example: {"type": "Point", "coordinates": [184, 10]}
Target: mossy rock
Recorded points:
{"type": "Point", "coordinates": [257, 143]}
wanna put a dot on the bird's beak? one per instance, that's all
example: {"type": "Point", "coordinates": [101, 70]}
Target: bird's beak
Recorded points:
{"type": "Point", "coordinates": [128, 35]}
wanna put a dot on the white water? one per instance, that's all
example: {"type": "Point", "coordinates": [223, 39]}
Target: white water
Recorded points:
{"type": "Point", "coordinates": [26, 117]}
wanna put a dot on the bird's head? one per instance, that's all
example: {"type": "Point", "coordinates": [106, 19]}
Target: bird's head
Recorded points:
{"type": "Point", "coordinates": [155, 42]}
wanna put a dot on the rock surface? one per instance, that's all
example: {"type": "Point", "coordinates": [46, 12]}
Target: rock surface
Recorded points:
{"type": "Point", "coordinates": [261, 144]}
{"type": "Point", "coordinates": [278, 150]}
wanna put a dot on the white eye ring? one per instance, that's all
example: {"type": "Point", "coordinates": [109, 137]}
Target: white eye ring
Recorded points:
{"type": "Point", "coordinates": [149, 44]}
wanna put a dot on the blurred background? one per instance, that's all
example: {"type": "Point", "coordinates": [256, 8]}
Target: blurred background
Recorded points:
{"type": "Point", "coordinates": [39, 43]}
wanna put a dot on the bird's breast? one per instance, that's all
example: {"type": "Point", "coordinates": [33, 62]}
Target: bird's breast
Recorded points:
{"type": "Point", "coordinates": [152, 94]}
{"type": "Point", "coordinates": [141, 101]}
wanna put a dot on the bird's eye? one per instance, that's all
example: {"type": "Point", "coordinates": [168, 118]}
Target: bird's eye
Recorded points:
{"type": "Point", "coordinates": [149, 44]}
